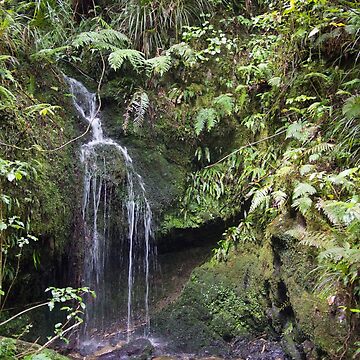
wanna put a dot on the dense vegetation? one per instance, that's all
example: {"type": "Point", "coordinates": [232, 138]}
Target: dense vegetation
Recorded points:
{"type": "Point", "coordinates": [258, 100]}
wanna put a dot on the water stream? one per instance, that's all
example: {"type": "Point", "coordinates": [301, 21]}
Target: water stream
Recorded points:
{"type": "Point", "coordinates": [119, 248]}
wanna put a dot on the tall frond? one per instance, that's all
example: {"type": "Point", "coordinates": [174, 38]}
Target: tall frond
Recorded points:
{"type": "Point", "coordinates": [260, 197]}
{"type": "Point", "coordinates": [158, 65]}
{"type": "Point", "coordinates": [136, 59]}
{"type": "Point", "coordinates": [205, 117]}
{"type": "Point", "coordinates": [138, 107]}
{"type": "Point", "coordinates": [102, 39]}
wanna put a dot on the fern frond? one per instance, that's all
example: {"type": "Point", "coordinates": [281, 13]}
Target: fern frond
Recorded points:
{"type": "Point", "coordinates": [302, 204]}
{"type": "Point", "coordinates": [206, 116]}
{"type": "Point", "coordinates": [138, 106]}
{"type": "Point", "coordinates": [136, 58]}
{"type": "Point", "coordinates": [298, 130]}
{"type": "Point", "coordinates": [6, 95]}
{"type": "Point", "coordinates": [49, 54]}
{"type": "Point", "coordinates": [321, 148]}
{"type": "Point", "coordinates": [279, 198]}
{"type": "Point", "coordinates": [106, 38]}
{"type": "Point", "coordinates": [225, 104]}
{"type": "Point", "coordinates": [159, 65]}
{"type": "Point", "coordinates": [317, 239]}
{"type": "Point", "coordinates": [339, 212]}
{"type": "Point", "coordinates": [260, 197]}
{"type": "Point", "coordinates": [351, 108]}
{"type": "Point", "coordinates": [305, 169]}
{"type": "Point", "coordinates": [303, 189]}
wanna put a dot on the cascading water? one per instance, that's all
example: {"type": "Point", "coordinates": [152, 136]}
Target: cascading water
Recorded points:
{"type": "Point", "coordinates": [110, 251]}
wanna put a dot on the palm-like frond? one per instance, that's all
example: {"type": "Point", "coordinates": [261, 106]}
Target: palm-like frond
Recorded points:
{"type": "Point", "coordinates": [136, 58]}
{"type": "Point", "coordinates": [103, 39]}
{"type": "Point", "coordinates": [159, 64]}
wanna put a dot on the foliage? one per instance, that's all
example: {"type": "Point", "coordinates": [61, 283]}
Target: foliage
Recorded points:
{"type": "Point", "coordinates": [298, 109]}
{"type": "Point", "coordinates": [149, 24]}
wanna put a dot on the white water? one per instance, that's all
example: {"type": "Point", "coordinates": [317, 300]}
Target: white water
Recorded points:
{"type": "Point", "coordinates": [97, 195]}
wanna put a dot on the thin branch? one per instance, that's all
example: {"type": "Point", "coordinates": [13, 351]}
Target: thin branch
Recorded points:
{"type": "Point", "coordinates": [23, 312]}
{"type": "Point", "coordinates": [244, 147]}
{"type": "Point", "coordinates": [58, 336]}
{"type": "Point", "coordinates": [36, 146]}
{"type": "Point", "coordinates": [13, 281]}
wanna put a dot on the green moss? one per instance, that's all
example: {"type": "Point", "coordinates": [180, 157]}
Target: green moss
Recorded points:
{"type": "Point", "coordinates": [224, 300]}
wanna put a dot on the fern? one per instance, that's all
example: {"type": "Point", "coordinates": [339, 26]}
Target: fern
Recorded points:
{"type": "Point", "coordinates": [136, 58]}
{"type": "Point", "coordinates": [158, 65]}
{"type": "Point", "coordinates": [302, 204]}
{"type": "Point", "coordinates": [138, 106]}
{"type": "Point", "coordinates": [339, 212]}
{"type": "Point", "coordinates": [305, 169]}
{"type": "Point", "coordinates": [279, 198]}
{"type": "Point", "coordinates": [321, 148]}
{"type": "Point", "coordinates": [205, 117]}
{"type": "Point", "coordinates": [317, 239]}
{"type": "Point", "coordinates": [275, 81]}
{"type": "Point", "coordinates": [298, 130]}
{"type": "Point", "coordinates": [303, 189]}
{"type": "Point", "coordinates": [351, 108]}
{"type": "Point", "coordinates": [49, 54]}
{"type": "Point", "coordinates": [224, 104]}
{"type": "Point", "coordinates": [260, 197]}
{"type": "Point", "coordinates": [104, 39]}
{"type": "Point", "coordinates": [6, 95]}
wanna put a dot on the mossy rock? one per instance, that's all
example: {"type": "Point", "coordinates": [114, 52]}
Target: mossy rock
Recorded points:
{"type": "Point", "coordinates": [220, 302]}
{"type": "Point", "coordinates": [11, 348]}
{"type": "Point", "coordinates": [316, 319]}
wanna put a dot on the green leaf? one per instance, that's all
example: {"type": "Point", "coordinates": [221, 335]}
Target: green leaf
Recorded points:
{"type": "Point", "coordinates": [103, 39]}
{"type": "Point", "coordinates": [303, 189]}
{"type": "Point", "coordinates": [206, 117]}
{"type": "Point", "coordinates": [224, 104]}
{"type": "Point", "coordinates": [159, 65]}
{"type": "Point", "coordinates": [303, 204]}
{"type": "Point", "coordinates": [136, 59]}
{"type": "Point", "coordinates": [351, 108]}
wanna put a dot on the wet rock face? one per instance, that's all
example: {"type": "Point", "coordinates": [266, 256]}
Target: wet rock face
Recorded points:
{"type": "Point", "coordinates": [259, 349]}
{"type": "Point", "coordinates": [139, 349]}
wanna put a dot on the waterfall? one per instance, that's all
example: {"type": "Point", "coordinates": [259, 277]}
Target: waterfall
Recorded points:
{"type": "Point", "coordinates": [102, 270]}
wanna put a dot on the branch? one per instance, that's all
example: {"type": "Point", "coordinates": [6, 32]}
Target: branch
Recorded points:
{"type": "Point", "coordinates": [71, 140]}
{"type": "Point", "coordinates": [244, 147]}
{"type": "Point", "coordinates": [23, 312]}
{"type": "Point", "coordinates": [58, 336]}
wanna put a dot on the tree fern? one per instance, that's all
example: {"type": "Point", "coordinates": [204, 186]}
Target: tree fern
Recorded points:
{"type": "Point", "coordinates": [136, 59]}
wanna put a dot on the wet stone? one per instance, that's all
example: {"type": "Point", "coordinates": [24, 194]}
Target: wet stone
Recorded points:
{"type": "Point", "coordinates": [139, 349]}
{"type": "Point", "coordinates": [259, 349]}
